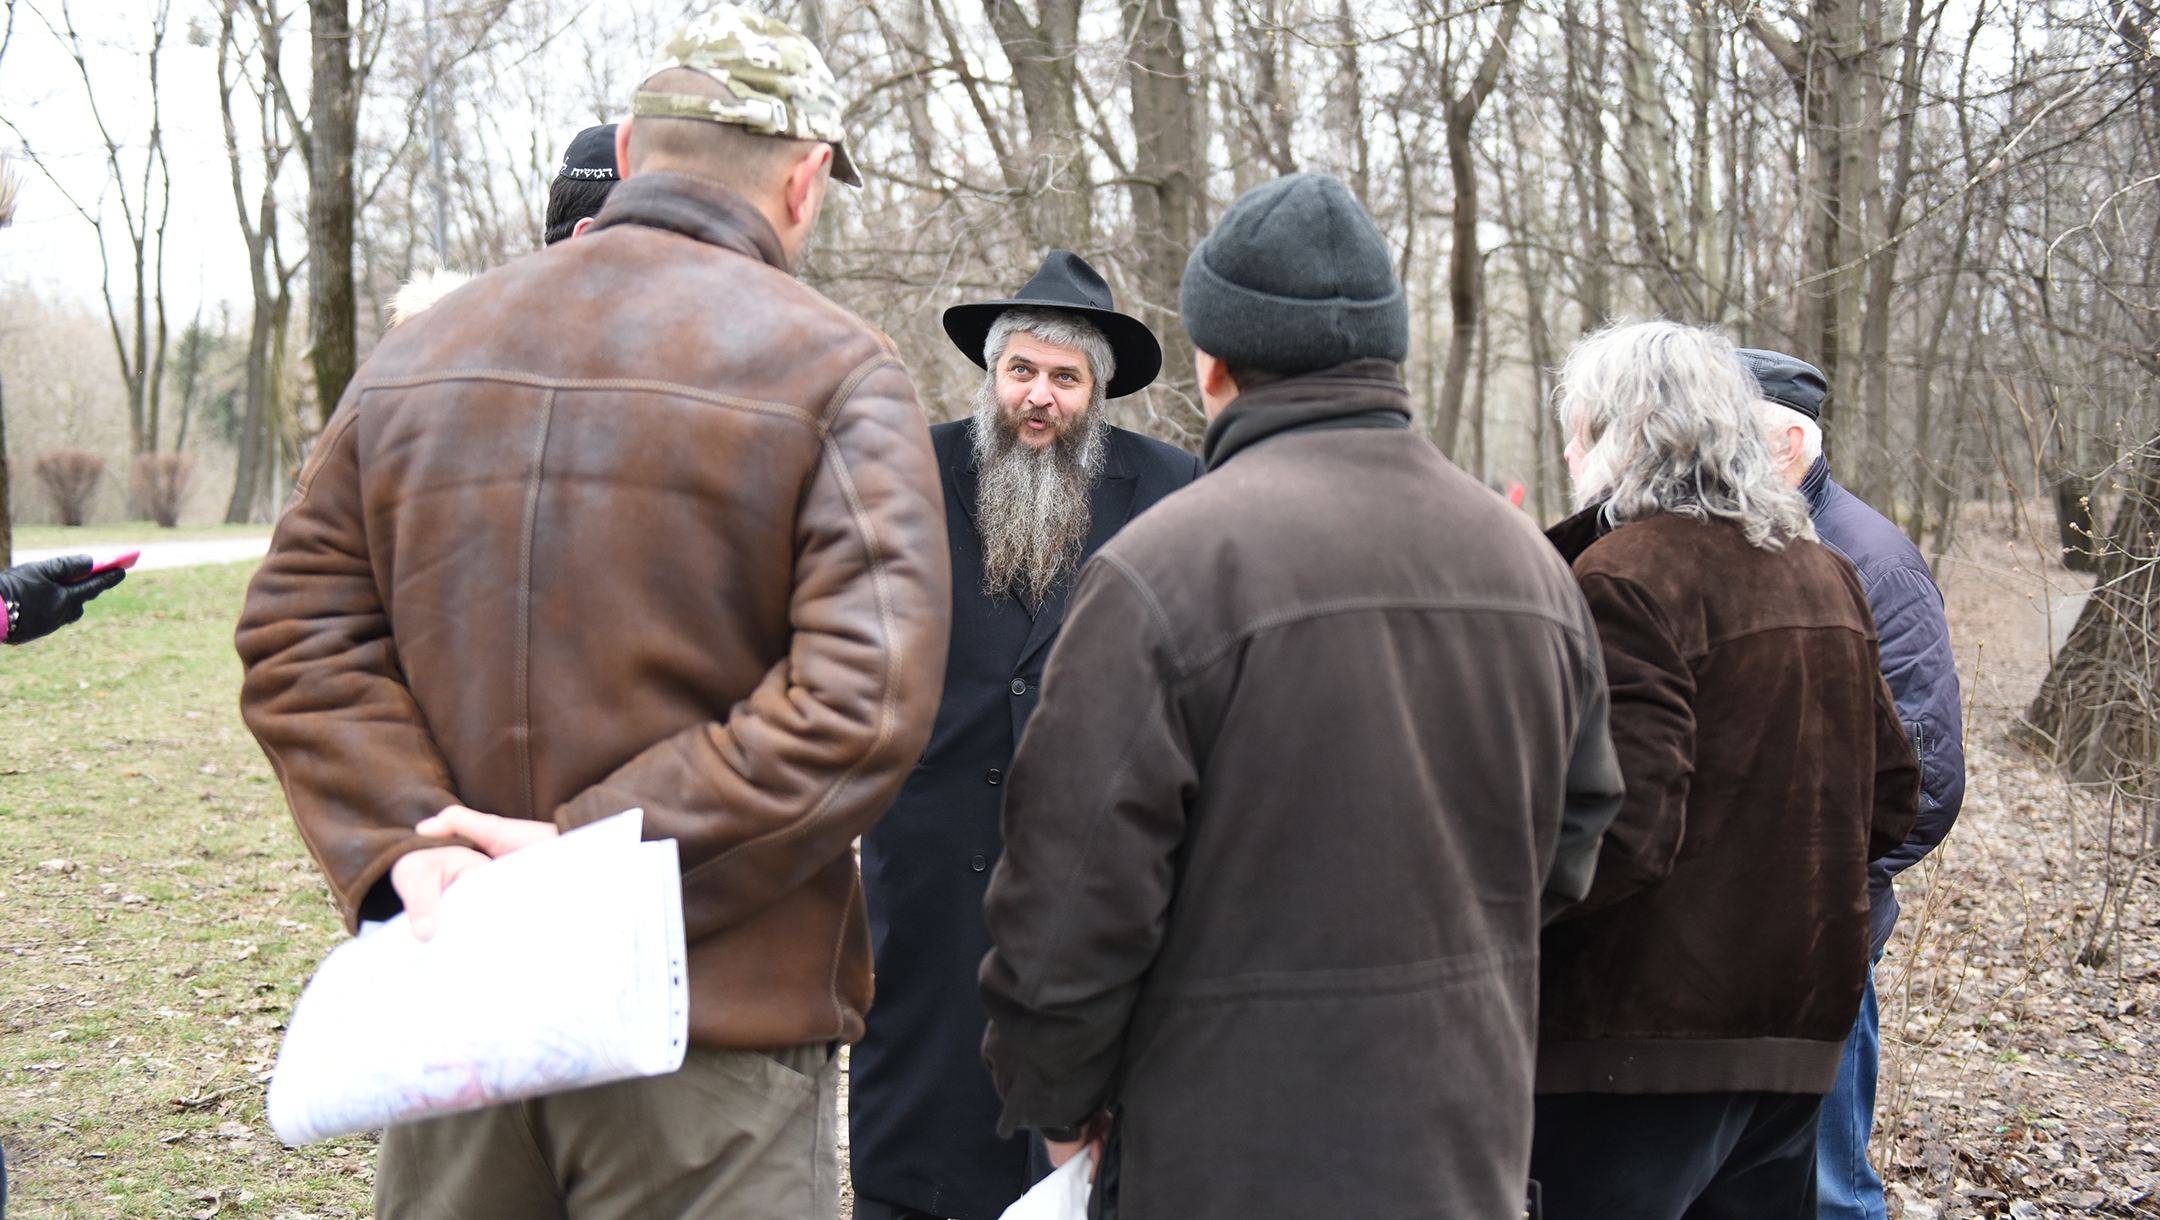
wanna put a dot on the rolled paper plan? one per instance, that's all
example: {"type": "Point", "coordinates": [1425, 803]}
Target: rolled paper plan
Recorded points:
{"type": "Point", "coordinates": [557, 967]}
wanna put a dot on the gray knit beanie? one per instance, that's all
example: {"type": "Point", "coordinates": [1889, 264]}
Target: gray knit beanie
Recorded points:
{"type": "Point", "coordinates": [1295, 278]}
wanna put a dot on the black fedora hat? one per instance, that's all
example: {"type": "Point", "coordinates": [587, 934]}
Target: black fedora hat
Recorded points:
{"type": "Point", "coordinates": [1067, 282]}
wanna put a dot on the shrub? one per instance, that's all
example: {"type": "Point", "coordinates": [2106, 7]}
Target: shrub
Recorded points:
{"type": "Point", "coordinates": [160, 485]}
{"type": "Point", "coordinates": [70, 477]}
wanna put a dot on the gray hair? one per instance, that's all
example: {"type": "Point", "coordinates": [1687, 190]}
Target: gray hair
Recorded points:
{"type": "Point", "coordinates": [1666, 414]}
{"type": "Point", "coordinates": [1776, 418]}
{"type": "Point", "coordinates": [1060, 326]}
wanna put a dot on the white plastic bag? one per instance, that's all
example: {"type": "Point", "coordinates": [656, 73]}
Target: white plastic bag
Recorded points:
{"type": "Point", "coordinates": [1061, 1196]}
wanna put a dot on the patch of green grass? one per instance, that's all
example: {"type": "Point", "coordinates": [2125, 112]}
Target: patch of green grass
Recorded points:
{"type": "Point", "coordinates": [158, 916]}
{"type": "Point", "coordinates": [38, 537]}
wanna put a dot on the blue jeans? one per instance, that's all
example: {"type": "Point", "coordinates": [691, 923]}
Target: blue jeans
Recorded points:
{"type": "Point", "coordinates": [1847, 1187]}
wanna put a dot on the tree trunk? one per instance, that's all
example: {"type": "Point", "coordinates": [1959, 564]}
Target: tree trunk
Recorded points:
{"type": "Point", "coordinates": [1273, 110]}
{"type": "Point", "coordinates": [269, 279]}
{"type": "Point", "coordinates": [1466, 265]}
{"type": "Point", "coordinates": [1045, 64]}
{"type": "Point", "coordinates": [1825, 67]}
{"type": "Point", "coordinates": [1586, 129]}
{"type": "Point", "coordinates": [1163, 192]}
{"type": "Point", "coordinates": [1352, 81]}
{"type": "Point", "coordinates": [1646, 156]}
{"type": "Point", "coordinates": [248, 464]}
{"type": "Point", "coordinates": [333, 125]}
{"type": "Point", "coordinates": [2097, 712]}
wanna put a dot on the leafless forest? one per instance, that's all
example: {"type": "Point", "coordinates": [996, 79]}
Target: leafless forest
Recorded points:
{"type": "Point", "coordinates": [1952, 207]}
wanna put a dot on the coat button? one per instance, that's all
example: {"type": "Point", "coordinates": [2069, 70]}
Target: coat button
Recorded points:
{"type": "Point", "coordinates": [978, 864]}
{"type": "Point", "coordinates": [1019, 686]}
{"type": "Point", "coordinates": [995, 777]}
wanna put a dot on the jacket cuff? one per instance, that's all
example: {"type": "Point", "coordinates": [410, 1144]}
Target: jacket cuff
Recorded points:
{"type": "Point", "coordinates": [380, 901]}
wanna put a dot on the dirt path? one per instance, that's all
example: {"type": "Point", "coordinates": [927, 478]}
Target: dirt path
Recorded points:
{"type": "Point", "coordinates": [157, 555]}
{"type": "Point", "coordinates": [2016, 1081]}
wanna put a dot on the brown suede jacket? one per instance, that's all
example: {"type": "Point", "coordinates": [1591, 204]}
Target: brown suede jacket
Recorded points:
{"type": "Point", "coordinates": [1724, 942]}
{"type": "Point", "coordinates": [636, 521]}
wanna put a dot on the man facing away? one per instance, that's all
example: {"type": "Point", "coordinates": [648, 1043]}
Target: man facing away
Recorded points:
{"type": "Point", "coordinates": [1922, 674]}
{"type": "Point", "coordinates": [1323, 738]}
{"type": "Point", "coordinates": [1036, 480]}
{"type": "Point", "coordinates": [1691, 1010]}
{"type": "Point", "coordinates": [640, 522]}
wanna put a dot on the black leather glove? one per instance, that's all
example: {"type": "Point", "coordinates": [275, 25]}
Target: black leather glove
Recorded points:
{"type": "Point", "coordinates": [39, 599]}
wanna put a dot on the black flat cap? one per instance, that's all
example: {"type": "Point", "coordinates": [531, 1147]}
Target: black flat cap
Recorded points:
{"type": "Point", "coordinates": [591, 155]}
{"type": "Point", "coordinates": [1787, 380]}
{"type": "Point", "coordinates": [1066, 281]}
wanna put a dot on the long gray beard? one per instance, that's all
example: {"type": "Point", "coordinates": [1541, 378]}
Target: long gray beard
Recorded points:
{"type": "Point", "coordinates": [1031, 505]}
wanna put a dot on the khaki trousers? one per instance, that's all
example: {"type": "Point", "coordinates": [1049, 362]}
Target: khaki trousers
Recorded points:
{"type": "Point", "coordinates": [745, 1135]}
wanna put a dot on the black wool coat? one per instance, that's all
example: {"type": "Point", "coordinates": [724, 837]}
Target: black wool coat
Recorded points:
{"type": "Point", "coordinates": [922, 1113]}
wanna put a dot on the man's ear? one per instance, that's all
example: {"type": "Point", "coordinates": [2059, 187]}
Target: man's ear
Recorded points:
{"type": "Point", "coordinates": [1217, 387]}
{"type": "Point", "coordinates": [622, 147]}
{"type": "Point", "coordinates": [800, 192]}
{"type": "Point", "coordinates": [1795, 445]}
{"type": "Point", "coordinates": [1214, 374]}
{"type": "Point", "coordinates": [584, 223]}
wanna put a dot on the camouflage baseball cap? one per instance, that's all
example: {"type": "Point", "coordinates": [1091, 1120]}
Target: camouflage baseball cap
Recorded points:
{"type": "Point", "coordinates": [780, 82]}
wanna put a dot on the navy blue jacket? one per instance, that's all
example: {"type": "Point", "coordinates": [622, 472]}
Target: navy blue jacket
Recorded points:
{"type": "Point", "coordinates": [1916, 662]}
{"type": "Point", "coordinates": [922, 1112]}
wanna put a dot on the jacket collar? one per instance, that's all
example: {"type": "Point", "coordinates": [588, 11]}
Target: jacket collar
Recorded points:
{"type": "Point", "coordinates": [1575, 535]}
{"type": "Point", "coordinates": [695, 207]}
{"type": "Point", "coordinates": [1359, 394]}
{"type": "Point", "coordinates": [1817, 485]}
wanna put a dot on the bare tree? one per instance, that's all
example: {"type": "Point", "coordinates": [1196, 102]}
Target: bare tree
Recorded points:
{"type": "Point", "coordinates": [143, 193]}
{"type": "Point", "coordinates": [1167, 173]}
{"type": "Point", "coordinates": [1045, 68]}
{"type": "Point", "coordinates": [247, 58]}
{"type": "Point", "coordinates": [1466, 265]}
{"type": "Point", "coordinates": [333, 128]}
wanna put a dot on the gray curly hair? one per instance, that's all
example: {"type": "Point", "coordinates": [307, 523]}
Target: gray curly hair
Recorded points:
{"type": "Point", "coordinates": [1666, 416]}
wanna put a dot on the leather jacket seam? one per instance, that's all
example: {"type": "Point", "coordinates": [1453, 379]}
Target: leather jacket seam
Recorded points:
{"type": "Point", "coordinates": [521, 663]}
{"type": "Point", "coordinates": [324, 444]}
{"type": "Point", "coordinates": [846, 390]}
{"type": "Point", "coordinates": [539, 381]}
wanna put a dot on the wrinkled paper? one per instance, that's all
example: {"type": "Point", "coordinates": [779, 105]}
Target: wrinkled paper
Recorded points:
{"type": "Point", "coordinates": [1062, 1195]}
{"type": "Point", "coordinates": [556, 967]}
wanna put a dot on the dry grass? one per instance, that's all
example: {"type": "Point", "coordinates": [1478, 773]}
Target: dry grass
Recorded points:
{"type": "Point", "coordinates": [2017, 1082]}
{"type": "Point", "coordinates": [157, 917]}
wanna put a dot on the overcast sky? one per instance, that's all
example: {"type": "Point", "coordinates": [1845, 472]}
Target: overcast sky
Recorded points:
{"type": "Point", "coordinates": [50, 247]}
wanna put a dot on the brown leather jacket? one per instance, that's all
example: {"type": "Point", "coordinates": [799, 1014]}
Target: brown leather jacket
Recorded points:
{"type": "Point", "coordinates": [636, 521]}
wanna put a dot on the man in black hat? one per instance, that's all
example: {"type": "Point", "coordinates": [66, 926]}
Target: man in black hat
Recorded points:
{"type": "Point", "coordinates": [1922, 674]}
{"type": "Point", "coordinates": [588, 174]}
{"type": "Point", "coordinates": [1035, 481]}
